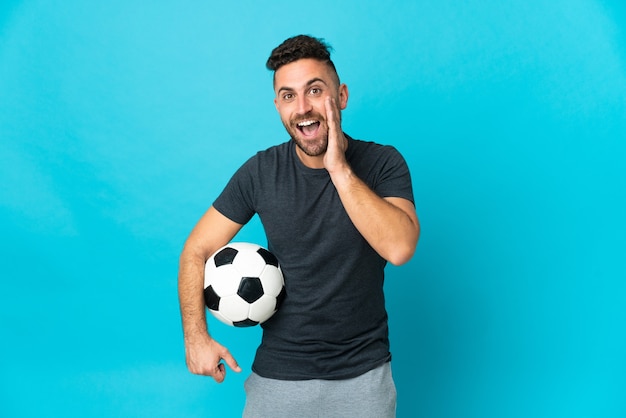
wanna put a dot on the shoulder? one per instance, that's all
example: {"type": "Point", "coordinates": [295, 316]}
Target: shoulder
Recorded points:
{"type": "Point", "coordinates": [372, 152]}
{"type": "Point", "coordinates": [267, 157]}
{"type": "Point", "coordinates": [274, 153]}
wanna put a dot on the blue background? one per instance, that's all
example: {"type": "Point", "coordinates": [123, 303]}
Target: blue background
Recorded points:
{"type": "Point", "coordinates": [121, 121]}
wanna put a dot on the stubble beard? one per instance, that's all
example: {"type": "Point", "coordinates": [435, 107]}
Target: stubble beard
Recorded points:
{"type": "Point", "coordinates": [311, 147]}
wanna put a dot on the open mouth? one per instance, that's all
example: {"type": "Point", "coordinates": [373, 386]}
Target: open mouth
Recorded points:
{"type": "Point", "coordinates": [308, 127]}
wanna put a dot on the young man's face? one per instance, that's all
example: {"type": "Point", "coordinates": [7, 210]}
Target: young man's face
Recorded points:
{"type": "Point", "coordinates": [301, 88]}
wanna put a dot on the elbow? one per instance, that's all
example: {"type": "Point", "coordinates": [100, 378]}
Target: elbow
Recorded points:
{"type": "Point", "coordinates": [401, 253]}
{"type": "Point", "coordinates": [400, 256]}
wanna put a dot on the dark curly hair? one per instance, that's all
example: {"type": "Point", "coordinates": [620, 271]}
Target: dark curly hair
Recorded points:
{"type": "Point", "coordinates": [300, 47]}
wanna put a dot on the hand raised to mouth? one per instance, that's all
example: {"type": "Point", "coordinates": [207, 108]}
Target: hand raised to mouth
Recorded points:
{"type": "Point", "coordinates": [335, 157]}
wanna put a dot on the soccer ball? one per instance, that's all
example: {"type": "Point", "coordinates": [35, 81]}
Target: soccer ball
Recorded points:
{"type": "Point", "coordinates": [243, 284]}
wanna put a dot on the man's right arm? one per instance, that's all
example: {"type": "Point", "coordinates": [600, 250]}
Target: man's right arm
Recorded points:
{"type": "Point", "coordinates": [203, 353]}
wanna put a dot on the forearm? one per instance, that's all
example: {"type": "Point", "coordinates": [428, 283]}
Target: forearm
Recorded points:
{"type": "Point", "coordinates": [203, 353]}
{"type": "Point", "coordinates": [389, 225]}
{"type": "Point", "coordinates": [191, 296]}
{"type": "Point", "coordinates": [210, 233]}
{"type": "Point", "coordinates": [391, 230]}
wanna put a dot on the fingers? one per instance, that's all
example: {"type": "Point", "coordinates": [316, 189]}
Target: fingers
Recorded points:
{"type": "Point", "coordinates": [205, 359]}
{"type": "Point", "coordinates": [331, 115]}
{"type": "Point", "coordinates": [335, 135]}
{"type": "Point", "coordinates": [334, 159]}
{"type": "Point", "coordinates": [230, 360]}
{"type": "Point", "coordinates": [219, 373]}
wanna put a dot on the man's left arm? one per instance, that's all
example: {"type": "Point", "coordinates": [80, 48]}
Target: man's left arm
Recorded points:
{"type": "Point", "coordinates": [389, 225]}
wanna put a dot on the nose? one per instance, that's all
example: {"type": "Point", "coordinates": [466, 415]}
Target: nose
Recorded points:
{"type": "Point", "coordinates": [303, 105]}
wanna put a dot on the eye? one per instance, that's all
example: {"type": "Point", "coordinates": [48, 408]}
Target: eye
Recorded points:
{"type": "Point", "coordinates": [315, 91]}
{"type": "Point", "coordinates": [287, 97]}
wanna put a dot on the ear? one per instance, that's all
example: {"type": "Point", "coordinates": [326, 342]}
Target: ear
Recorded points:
{"type": "Point", "coordinates": [276, 102]}
{"type": "Point", "coordinates": [343, 96]}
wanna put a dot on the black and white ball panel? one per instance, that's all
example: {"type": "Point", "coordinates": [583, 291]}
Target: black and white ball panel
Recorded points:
{"type": "Point", "coordinates": [243, 284]}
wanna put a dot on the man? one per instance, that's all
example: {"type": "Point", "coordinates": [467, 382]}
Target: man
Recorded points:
{"type": "Point", "coordinates": [335, 211]}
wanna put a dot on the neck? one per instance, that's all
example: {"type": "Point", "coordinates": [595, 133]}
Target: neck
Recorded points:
{"type": "Point", "coordinates": [316, 162]}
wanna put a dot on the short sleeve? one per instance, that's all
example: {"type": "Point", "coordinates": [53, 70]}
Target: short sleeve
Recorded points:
{"type": "Point", "coordinates": [236, 201]}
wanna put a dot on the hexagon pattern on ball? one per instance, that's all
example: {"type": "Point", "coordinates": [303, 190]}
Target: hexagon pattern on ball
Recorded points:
{"type": "Point", "coordinates": [243, 284]}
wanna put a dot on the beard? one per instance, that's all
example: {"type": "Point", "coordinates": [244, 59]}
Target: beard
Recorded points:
{"type": "Point", "coordinates": [313, 147]}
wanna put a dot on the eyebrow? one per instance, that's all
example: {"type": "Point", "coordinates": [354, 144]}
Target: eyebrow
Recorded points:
{"type": "Point", "coordinates": [309, 83]}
